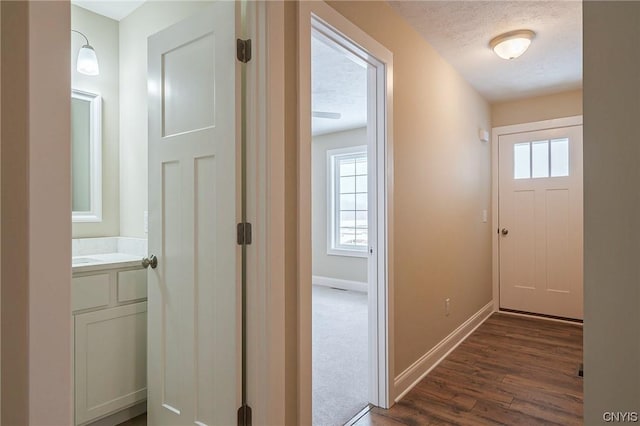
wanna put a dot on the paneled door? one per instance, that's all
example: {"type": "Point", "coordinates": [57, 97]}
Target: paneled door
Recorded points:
{"type": "Point", "coordinates": [193, 340]}
{"type": "Point", "coordinates": [540, 222]}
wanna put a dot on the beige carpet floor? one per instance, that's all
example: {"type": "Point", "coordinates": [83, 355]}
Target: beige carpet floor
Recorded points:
{"type": "Point", "coordinates": [340, 355]}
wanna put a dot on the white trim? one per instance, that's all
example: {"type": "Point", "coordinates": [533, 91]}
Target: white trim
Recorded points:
{"type": "Point", "coordinates": [359, 286]}
{"type": "Point", "coordinates": [351, 38]}
{"type": "Point", "coordinates": [265, 209]}
{"type": "Point", "coordinates": [94, 214]}
{"type": "Point", "coordinates": [531, 316]}
{"type": "Point", "coordinates": [496, 132]}
{"type": "Point", "coordinates": [427, 362]}
{"type": "Point", "coordinates": [555, 123]}
{"type": "Point", "coordinates": [119, 416]}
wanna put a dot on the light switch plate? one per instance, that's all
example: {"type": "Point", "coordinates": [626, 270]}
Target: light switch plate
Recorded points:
{"type": "Point", "coordinates": [146, 222]}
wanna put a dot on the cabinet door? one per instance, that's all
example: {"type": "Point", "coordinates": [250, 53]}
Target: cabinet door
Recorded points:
{"type": "Point", "coordinates": [110, 360]}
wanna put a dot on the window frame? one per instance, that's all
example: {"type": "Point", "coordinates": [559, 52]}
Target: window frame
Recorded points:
{"type": "Point", "coordinates": [94, 214]}
{"type": "Point", "coordinates": [333, 202]}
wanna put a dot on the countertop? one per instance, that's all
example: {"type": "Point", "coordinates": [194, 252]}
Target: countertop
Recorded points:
{"type": "Point", "coordinates": [97, 262]}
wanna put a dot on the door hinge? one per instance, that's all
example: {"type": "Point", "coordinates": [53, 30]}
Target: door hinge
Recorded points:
{"type": "Point", "coordinates": [244, 415]}
{"type": "Point", "coordinates": [244, 233]}
{"type": "Point", "coordinates": [243, 50]}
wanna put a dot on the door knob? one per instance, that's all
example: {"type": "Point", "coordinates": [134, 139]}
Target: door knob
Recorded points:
{"type": "Point", "coordinates": [150, 261]}
{"type": "Point", "coordinates": [504, 231]}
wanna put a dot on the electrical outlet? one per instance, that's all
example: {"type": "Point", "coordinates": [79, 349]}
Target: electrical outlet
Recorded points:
{"type": "Point", "coordinates": [447, 306]}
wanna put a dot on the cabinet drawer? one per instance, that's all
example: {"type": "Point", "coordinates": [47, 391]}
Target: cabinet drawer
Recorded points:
{"type": "Point", "coordinates": [91, 291]}
{"type": "Point", "coordinates": [132, 285]}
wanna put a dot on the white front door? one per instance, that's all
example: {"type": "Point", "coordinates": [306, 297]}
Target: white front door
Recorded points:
{"type": "Point", "coordinates": [192, 300]}
{"type": "Point", "coordinates": [540, 222]}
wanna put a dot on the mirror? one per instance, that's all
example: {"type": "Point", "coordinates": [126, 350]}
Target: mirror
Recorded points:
{"type": "Point", "coordinates": [86, 159]}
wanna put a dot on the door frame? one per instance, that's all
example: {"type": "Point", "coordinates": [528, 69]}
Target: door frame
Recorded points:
{"type": "Point", "coordinates": [265, 208]}
{"type": "Point", "coordinates": [496, 132]}
{"type": "Point", "coordinates": [319, 15]}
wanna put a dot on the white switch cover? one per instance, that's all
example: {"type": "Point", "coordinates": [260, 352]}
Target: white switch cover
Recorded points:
{"type": "Point", "coordinates": [484, 216]}
{"type": "Point", "coordinates": [146, 222]}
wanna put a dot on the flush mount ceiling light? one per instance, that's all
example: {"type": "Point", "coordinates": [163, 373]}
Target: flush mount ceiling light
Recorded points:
{"type": "Point", "coordinates": [87, 62]}
{"type": "Point", "coordinates": [512, 44]}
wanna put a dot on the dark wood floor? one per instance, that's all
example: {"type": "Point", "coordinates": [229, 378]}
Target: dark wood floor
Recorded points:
{"type": "Point", "coordinates": [512, 370]}
{"type": "Point", "coordinates": [141, 420]}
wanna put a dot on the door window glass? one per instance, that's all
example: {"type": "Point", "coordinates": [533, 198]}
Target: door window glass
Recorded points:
{"type": "Point", "coordinates": [541, 159]}
{"type": "Point", "coordinates": [559, 157]}
{"type": "Point", "coordinates": [522, 160]}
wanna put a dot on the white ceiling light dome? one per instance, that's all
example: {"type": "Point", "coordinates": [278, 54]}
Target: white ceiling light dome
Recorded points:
{"type": "Point", "coordinates": [512, 44]}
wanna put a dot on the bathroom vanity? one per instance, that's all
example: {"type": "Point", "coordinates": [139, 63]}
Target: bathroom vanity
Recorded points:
{"type": "Point", "coordinates": [108, 297]}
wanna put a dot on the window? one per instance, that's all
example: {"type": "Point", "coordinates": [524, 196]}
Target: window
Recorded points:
{"type": "Point", "coordinates": [348, 212]}
{"type": "Point", "coordinates": [541, 159]}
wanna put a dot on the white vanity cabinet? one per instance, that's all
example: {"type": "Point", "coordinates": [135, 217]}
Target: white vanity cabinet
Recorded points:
{"type": "Point", "coordinates": [110, 340]}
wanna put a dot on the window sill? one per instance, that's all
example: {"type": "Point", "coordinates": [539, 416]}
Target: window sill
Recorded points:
{"type": "Point", "coordinates": [347, 253]}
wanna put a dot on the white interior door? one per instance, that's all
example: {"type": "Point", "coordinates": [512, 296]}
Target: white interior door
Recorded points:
{"type": "Point", "coordinates": [540, 222]}
{"type": "Point", "coordinates": [192, 304]}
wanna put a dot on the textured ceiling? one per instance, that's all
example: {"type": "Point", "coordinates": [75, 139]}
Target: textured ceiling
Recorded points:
{"type": "Point", "coordinates": [114, 9]}
{"type": "Point", "coordinates": [338, 85]}
{"type": "Point", "coordinates": [460, 31]}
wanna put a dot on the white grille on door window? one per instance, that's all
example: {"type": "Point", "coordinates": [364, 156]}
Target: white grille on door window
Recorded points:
{"type": "Point", "coordinates": [541, 159]}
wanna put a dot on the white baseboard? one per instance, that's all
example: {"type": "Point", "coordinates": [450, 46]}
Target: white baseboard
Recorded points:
{"type": "Point", "coordinates": [341, 284]}
{"type": "Point", "coordinates": [541, 317]}
{"type": "Point", "coordinates": [410, 377]}
{"type": "Point", "coordinates": [120, 416]}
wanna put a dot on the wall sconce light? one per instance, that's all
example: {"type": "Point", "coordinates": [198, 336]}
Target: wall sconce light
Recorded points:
{"type": "Point", "coordinates": [87, 62]}
{"type": "Point", "coordinates": [512, 44]}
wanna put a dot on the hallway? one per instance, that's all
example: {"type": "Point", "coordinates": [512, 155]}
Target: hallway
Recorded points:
{"type": "Point", "coordinates": [511, 370]}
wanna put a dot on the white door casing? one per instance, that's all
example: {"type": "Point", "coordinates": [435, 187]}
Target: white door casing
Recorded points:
{"type": "Point", "coordinates": [321, 17]}
{"type": "Point", "coordinates": [540, 225]}
{"type": "Point", "coordinates": [192, 295]}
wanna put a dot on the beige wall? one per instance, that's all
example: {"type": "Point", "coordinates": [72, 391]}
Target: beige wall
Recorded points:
{"type": "Point", "coordinates": [0, 216]}
{"type": "Point", "coordinates": [564, 104]}
{"type": "Point", "coordinates": [36, 214]}
{"type": "Point", "coordinates": [148, 19]}
{"type": "Point", "coordinates": [291, 211]}
{"type": "Point", "coordinates": [441, 185]}
{"type": "Point", "coordinates": [325, 265]}
{"type": "Point", "coordinates": [14, 323]}
{"type": "Point", "coordinates": [612, 208]}
{"type": "Point", "coordinates": [102, 33]}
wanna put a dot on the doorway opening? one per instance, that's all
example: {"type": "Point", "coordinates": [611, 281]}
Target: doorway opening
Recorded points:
{"type": "Point", "coordinates": [170, 336]}
{"type": "Point", "coordinates": [345, 154]}
{"type": "Point", "coordinates": [340, 185]}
